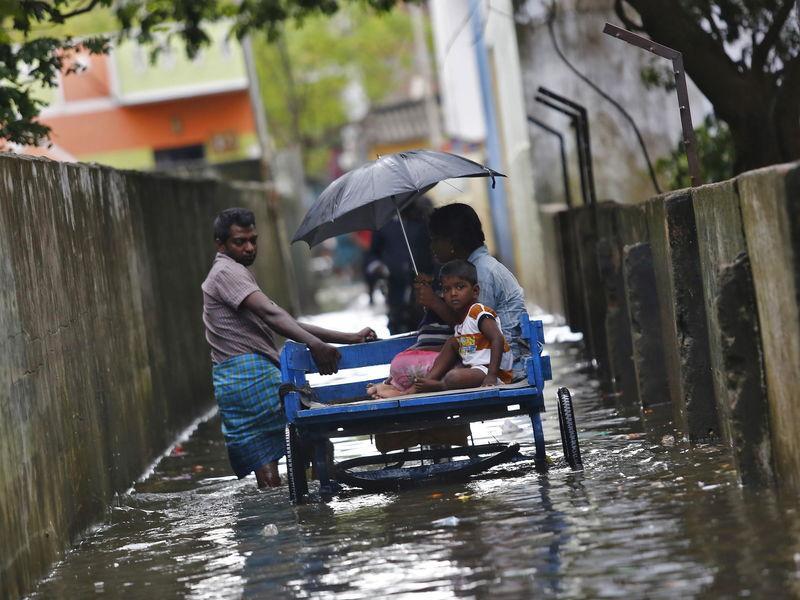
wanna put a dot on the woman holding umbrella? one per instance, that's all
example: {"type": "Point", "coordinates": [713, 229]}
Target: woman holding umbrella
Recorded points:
{"type": "Point", "coordinates": [456, 233]}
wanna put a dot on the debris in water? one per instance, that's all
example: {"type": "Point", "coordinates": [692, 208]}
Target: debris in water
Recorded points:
{"type": "Point", "coordinates": [668, 440]}
{"type": "Point", "coordinates": [99, 586]}
{"type": "Point", "coordinates": [198, 468]}
{"type": "Point", "coordinates": [270, 530]}
{"type": "Point", "coordinates": [446, 522]}
{"type": "Point", "coordinates": [510, 428]}
{"type": "Point", "coordinates": [436, 495]}
{"type": "Point", "coordinates": [707, 488]}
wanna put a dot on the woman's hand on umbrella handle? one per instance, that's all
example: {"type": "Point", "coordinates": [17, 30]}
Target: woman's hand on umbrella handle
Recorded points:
{"type": "Point", "coordinates": [424, 291]}
{"type": "Point", "coordinates": [423, 278]}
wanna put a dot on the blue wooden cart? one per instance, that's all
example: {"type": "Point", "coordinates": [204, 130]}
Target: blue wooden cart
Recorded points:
{"type": "Point", "coordinates": [317, 414]}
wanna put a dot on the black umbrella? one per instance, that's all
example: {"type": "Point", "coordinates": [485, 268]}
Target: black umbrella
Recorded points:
{"type": "Point", "coordinates": [369, 196]}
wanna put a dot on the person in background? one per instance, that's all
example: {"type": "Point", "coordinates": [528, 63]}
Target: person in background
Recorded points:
{"type": "Point", "coordinates": [456, 233]}
{"type": "Point", "coordinates": [364, 240]}
{"type": "Point", "coordinates": [241, 322]}
{"type": "Point", "coordinates": [388, 257]}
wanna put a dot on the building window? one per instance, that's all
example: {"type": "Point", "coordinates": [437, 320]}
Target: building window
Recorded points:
{"type": "Point", "coordinates": [171, 157]}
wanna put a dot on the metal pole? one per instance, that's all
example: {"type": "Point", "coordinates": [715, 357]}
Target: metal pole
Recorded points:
{"type": "Point", "coordinates": [405, 237]}
{"type": "Point", "coordinates": [689, 139]}
{"type": "Point", "coordinates": [587, 144]}
{"type": "Point", "coordinates": [497, 194]}
{"type": "Point", "coordinates": [257, 106]}
{"type": "Point", "coordinates": [564, 171]}
{"type": "Point", "coordinates": [264, 141]}
{"type": "Point", "coordinates": [574, 118]}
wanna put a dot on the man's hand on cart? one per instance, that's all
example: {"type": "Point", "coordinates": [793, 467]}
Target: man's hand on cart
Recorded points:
{"type": "Point", "coordinates": [365, 335]}
{"type": "Point", "coordinates": [325, 356]}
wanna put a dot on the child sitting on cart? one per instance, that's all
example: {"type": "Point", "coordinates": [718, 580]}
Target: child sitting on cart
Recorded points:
{"type": "Point", "coordinates": [478, 354]}
{"type": "Point", "coordinates": [415, 361]}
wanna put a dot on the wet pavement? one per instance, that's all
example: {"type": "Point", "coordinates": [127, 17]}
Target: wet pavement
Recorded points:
{"type": "Point", "coordinates": [647, 518]}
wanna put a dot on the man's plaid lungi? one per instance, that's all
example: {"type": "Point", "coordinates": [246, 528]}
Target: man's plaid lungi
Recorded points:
{"type": "Point", "coordinates": [253, 422]}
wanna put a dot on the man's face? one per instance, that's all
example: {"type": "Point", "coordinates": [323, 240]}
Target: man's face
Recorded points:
{"type": "Point", "coordinates": [459, 294]}
{"type": "Point", "coordinates": [240, 245]}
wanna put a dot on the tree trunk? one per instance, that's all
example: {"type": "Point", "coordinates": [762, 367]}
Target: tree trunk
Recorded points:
{"type": "Point", "coordinates": [755, 141]}
{"type": "Point", "coordinates": [755, 127]}
{"type": "Point", "coordinates": [764, 119]}
{"type": "Point", "coordinates": [787, 123]}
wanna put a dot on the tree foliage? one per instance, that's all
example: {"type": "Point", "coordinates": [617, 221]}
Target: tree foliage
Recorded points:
{"type": "Point", "coordinates": [308, 72]}
{"type": "Point", "coordinates": [744, 55]}
{"type": "Point", "coordinates": [32, 55]}
{"type": "Point", "coordinates": [30, 61]}
{"type": "Point", "coordinates": [715, 151]}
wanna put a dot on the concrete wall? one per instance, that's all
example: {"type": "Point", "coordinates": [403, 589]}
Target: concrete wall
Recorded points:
{"type": "Point", "coordinates": [736, 362]}
{"type": "Point", "coordinates": [770, 202]}
{"type": "Point", "coordinates": [102, 353]}
{"type": "Point", "coordinates": [619, 166]}
{"type": "Point", "coordinates": [720, 337]}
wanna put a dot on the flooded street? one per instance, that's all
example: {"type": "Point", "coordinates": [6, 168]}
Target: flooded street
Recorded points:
{"type": "Point", "coordinates": [648, 518]}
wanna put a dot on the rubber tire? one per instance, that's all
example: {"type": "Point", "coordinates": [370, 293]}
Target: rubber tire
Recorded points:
{"type": "Point", "coordinates": [569, 431]}
{"type": "Point", "coordinates": [295, 467]}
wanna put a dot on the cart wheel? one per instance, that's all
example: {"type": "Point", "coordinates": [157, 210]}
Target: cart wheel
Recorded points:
{"type": "Point", "coordinates": [295, 466]}
{"type": "Point", "coordinates": [569, 432]}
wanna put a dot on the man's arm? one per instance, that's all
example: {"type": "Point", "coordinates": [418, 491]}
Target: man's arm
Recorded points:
{"type": "Point", "coordinates": [326, 357]}
{"type": "Point", "coordinates": [491, 331]}
{"type": "Point", "coordinates": [339, 337]}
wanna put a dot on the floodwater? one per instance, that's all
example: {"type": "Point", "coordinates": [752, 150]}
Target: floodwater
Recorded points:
{"type": "Point", "coordinates": [649, 517]}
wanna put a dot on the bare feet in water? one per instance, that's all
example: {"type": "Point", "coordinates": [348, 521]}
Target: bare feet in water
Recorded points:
{"type": "Point", "coordinates": [267, 475]}
{"type": "Point", "coordinates": [422, 384]}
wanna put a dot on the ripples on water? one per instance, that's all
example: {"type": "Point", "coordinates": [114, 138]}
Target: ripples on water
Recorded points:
{"type": "Point", "coordinates": [647, 519]}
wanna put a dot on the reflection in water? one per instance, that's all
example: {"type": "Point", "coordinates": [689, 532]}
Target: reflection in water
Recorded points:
{"type": "Point", "coordinates": [649, 518]}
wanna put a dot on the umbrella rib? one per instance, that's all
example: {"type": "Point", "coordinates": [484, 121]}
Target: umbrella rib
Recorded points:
{"type": "Point", "coordinates": [409, 178]}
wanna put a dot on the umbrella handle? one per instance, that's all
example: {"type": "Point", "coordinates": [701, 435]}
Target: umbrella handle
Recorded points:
{"type": "Point", "coordinates": [405, 237]}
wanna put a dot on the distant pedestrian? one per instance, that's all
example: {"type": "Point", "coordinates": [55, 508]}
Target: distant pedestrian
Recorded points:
{"type": "Point", "coordinates": [388, 258]}
{"type": "Point", "coordinates": [241, 322]}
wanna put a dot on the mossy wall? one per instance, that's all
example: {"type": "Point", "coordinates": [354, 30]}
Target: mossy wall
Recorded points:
{"type": "Point", "coordinates": [102, 351]}
{"type": "Point", "coordinates": [711, 283]}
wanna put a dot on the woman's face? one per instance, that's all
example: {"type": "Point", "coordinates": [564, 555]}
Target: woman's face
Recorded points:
{"type": "Point", "coordinates": [442, 249]}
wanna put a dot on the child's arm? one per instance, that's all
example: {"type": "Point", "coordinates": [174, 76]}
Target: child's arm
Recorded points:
{"type": "Point", "coordinates": [491, 331]}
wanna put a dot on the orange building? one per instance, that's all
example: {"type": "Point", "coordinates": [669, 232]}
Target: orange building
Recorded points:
{"type": "Point", "coordinates": [123, 111]}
